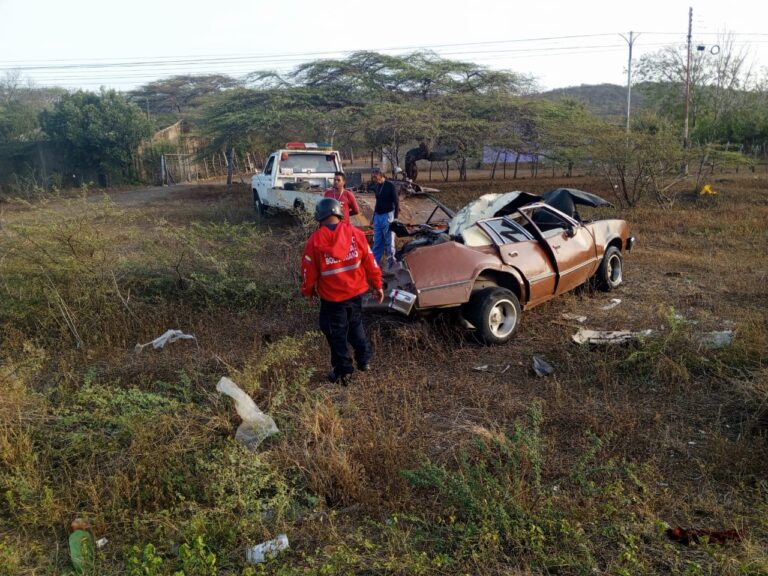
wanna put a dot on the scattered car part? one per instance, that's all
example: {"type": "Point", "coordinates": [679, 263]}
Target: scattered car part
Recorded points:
{"type": "Point", "coordinates": [566, 199]}
{"type": "Point", "coordinates": [585, 336]}
{"type": "Point", "coordinates": [541, 367]}
{"type": "Point", "coordinates": [576, 317]}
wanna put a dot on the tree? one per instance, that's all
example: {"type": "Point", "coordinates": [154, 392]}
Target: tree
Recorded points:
{"type": "Point", "coordinates": [645, 162]}
{"type": "Point", "coordinates": [390, 126]}
{"type": "Point", "coordinates": [367, 76]}
{"type": "Point", "coordinates": [385, 102]}
{"type": "Point", "coordinates": [98, 132]}
{"type": "Point", "coordinates": [179, 95]}
{"type": "Point", "coordinates": [20, 107]}
{"type": "Point", "coordinates": [717, 82]}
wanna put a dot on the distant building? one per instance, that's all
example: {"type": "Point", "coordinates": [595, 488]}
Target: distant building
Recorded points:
{"type": "Point", "coordinates": [503, 156]}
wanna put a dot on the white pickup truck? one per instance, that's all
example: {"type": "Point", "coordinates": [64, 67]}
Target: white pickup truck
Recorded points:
{"type": "Point", "coordinates": [295, 177]}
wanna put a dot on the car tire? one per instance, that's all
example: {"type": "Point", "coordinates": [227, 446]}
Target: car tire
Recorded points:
{"type": "Point", "coordinates": [610, 275]}
{"type": "Point", "coordinates": [261, 209]}
{"type": "Point", "coordinates": [495, 313]}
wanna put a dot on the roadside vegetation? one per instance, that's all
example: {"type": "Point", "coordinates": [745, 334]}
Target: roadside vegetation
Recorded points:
{"type": "Point", "coordinates": [447, 457]}
{"type": "Point", "coordinates": [380, 106]}
{"type": "Point", "coordinates": [425, 465]}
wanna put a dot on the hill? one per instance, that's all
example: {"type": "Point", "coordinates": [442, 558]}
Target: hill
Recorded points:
{"type": "Point", "coordinates": [605, 100]}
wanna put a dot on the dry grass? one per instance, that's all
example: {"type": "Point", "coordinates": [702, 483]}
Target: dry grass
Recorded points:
{"type": "Point", "coordinates": [632, 437]}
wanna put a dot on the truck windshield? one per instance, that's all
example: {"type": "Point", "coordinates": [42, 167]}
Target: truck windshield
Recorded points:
{"type": "Point", "coordinates": [310, 163]}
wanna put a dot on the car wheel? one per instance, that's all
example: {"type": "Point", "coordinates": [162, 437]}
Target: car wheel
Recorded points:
{"type": "Point", "coordinates": [610, 274]}
{"type": "Point", "coordinates": [261, 209]}
{"type": "Point", "coordinates": [495, 314]}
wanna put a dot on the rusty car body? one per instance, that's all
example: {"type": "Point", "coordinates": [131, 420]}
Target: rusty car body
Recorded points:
{"type": "Point", "coordinates": [499, 255]}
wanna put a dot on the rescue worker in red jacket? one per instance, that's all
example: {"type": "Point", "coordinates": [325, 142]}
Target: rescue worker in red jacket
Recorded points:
{"type": "Point", "coordinates": [338, 266]}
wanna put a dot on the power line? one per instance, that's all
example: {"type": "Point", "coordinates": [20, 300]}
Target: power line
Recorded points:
{"type": "Point", "coordinates": [304, 54]}
{"type": "Point", "coordinates": [97, 71]}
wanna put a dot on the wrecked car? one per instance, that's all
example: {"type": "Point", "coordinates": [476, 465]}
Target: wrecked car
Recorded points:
{"type": "Point", "coordinates": [501, 254]}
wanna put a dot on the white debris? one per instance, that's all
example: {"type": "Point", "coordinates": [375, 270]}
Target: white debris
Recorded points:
{"type": "Point", "coordinates": [571, 316]}
{"type": "Point", "coordinates": [585, 336]}
{"type": "Point", "coordinates": [256, 425]}
{"type": "Point", "coordinates": [266, 550]}
{"type": "Point", "coordinates": [500, 368]}
{"type": "Point", "coordinates": [612, 304]}
{"type": "Point", "coordinates": [717, 339]}
{"type": "Point", "coordinates": [168, 337]}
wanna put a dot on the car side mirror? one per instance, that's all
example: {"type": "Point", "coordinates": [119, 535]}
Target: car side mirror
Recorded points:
{"type": "Point", "coordinates": [570, 232]}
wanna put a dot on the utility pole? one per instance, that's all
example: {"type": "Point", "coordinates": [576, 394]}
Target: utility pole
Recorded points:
{"type": "Point", "coordinates": [688, 79]}
{"type": "Point", "coordinates": [630, 41]}
{"type": "Point", "coordinates": [687, 89]}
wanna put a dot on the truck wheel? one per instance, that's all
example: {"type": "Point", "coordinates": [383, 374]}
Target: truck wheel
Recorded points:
{"type": "Point", "coordinates": [261, 209]}
{"type": "Point", "coordinates": [495, 314]}
{"type": "Point", "coordinates": [609, 275]}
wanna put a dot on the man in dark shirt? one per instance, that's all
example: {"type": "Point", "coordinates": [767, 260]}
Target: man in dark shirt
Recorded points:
{"type": "Point", "coordinates": [387, 208]}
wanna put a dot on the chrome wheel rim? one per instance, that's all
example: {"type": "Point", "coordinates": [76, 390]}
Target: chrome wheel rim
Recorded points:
{"type": "Point", "coordinates": [614, 270]}
{"type": "Point", "coordinates": [502, 318]}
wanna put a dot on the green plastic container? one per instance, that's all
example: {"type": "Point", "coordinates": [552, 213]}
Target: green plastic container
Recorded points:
{"type": "Point", "coordinates": [82, 551]}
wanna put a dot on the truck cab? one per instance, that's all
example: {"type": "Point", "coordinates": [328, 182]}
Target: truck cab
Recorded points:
{"type": "Point", "coordinates": [295, 177]}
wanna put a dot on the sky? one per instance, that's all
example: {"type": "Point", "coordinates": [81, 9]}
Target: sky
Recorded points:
{"type": "Point", "coordinates": [89, 44]}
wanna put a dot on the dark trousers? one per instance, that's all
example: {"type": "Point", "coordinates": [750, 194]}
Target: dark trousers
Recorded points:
{"type": "Point", "coordinates": [342, 323]}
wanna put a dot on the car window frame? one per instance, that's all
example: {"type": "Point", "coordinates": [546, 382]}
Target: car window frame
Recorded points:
{"type": "Point", "coordinates": [496, 236]}
{"type": "Point", "coordinates": [270, 165]}
{"type": "Point", "coordinates": [527, 212]}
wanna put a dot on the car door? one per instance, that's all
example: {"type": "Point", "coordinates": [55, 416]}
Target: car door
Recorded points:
{"type": "Point", "coordinates": [264, 180]}
{"type": "Point", "coordinates": [519, 249]}
{"type": "Point", "coordinates": [571, 244]}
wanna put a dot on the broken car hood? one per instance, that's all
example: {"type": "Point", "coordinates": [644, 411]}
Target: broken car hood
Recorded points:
{"type": "Point", "coordinates": [489, 206]}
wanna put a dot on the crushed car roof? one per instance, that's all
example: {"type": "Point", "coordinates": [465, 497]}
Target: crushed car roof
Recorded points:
{"type": "Point", "coordinates": [566, 199]}
{"type": "Point", "coordinates": [488, 206]}
{"type": "Point", "coordinates": [493, 205]}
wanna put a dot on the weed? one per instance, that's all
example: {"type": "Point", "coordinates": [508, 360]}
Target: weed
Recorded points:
{"type": "Point", "coordinates": [488, 504]}
{"type": "Point", "coordinates": [144, 562]}
{"type": "Point", "coordinates": [196, 560]}
{"type": "Point", "coordinates": [662, 430]}
{"type": "Point", "coordinates": [243, 500]}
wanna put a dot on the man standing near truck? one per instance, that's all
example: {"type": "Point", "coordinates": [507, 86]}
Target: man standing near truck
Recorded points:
{"type": "Point", "coordinates": [344, 196]}
{"type": "Point", "coordinates": [337, 266]}
{"type": "Point", "coordinates": [386, 210]}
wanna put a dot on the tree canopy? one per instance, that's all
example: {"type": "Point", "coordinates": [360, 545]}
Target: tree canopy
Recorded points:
{"type": "Point", "coordinates": [97, 131]}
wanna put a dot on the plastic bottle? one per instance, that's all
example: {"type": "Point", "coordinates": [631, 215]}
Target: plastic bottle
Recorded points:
{"type": "Point", "coordinates": [82, 548]}
{"type": "Point", "coordinates": [266, 550]}
{"type": "Point", "coordinates": [256, 425]}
